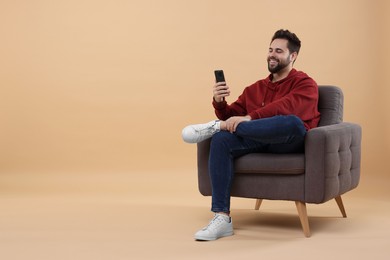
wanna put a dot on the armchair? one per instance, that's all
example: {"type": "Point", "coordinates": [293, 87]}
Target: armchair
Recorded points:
{"type": "Point", "coordinates": [329, 167]}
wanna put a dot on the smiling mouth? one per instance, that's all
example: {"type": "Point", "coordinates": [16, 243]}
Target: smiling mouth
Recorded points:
{"type": "Point", "coordinates": [272, 62]}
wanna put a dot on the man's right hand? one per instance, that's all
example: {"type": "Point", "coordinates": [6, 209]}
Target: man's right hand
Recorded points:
{"type": "Point", "coordinates": [220, 91]}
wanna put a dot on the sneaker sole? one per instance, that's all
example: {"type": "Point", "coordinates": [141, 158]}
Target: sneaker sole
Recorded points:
{"type": "Point", "coordinates": [201, 238]}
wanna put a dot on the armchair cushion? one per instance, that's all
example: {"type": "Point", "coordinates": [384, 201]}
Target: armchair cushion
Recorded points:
{"type": "Point", "coordinates": [268, 163]}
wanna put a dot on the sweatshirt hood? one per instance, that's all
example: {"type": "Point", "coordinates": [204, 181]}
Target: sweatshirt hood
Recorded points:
{"type": "Point", "coordinates": [273, 85]}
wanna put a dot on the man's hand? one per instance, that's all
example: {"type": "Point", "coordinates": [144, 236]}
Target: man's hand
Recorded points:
{"type": "Point", "coordinates": [220, 91]}
{"type": "Point", "coordinates": [232, 123]}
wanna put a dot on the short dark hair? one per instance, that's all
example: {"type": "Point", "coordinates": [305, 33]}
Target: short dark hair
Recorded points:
{"type": "Point", "coordinates": [294, 44]}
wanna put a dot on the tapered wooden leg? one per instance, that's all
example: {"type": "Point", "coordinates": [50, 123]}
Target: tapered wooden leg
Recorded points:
{"type": "Point", "coordinates": [341, 206]}
{"type": "Point", "coordinates": [258, 203]}
{"type": "Point", "coordinates": [301, 207]}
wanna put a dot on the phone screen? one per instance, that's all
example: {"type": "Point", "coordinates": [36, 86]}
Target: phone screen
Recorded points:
{"type": "Point", "coordinates": [219, 76]}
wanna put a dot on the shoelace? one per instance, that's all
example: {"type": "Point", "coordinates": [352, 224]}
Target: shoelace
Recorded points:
{"type": "Point", "coordinates": [208, 129]}
{"type": "Point", "coordinates": [214, 223]}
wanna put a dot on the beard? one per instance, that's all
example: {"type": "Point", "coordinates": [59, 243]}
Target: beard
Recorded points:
{"type": "Point", "coordinates": [280, 65]}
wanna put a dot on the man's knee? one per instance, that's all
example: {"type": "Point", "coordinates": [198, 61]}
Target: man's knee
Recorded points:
{"type": "Point", "coordinates": [297, 124]}
{"type": "Point", "coordinates": [222, 137]}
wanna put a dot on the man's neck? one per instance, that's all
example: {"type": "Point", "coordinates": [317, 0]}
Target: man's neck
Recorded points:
{"type": "Point", "coordinates": [281, 74]}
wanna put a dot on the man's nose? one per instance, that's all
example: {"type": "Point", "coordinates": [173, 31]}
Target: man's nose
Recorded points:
{"type": "Point", "coordinates": [271, 56]}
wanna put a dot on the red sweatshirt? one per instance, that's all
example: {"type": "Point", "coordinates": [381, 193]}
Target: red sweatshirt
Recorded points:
{"type": "Point", "coordinates": [297, 94]}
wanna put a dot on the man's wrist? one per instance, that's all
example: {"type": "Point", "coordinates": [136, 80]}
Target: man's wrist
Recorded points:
{"type": "Point", "coordinates": [219, 105]}
{"type": "Point", "coordinates": [218, 101]}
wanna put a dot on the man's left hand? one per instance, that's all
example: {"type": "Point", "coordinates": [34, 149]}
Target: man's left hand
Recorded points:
{"type": "Point", "coordinates": [234, 121]}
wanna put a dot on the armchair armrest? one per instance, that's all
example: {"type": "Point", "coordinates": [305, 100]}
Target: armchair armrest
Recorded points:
{"type": "Point", "coordinates": [203, 152]}
{"type": "Point", "coordinates": [332, 161]}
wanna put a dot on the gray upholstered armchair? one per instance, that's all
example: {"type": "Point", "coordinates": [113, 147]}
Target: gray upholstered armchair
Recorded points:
{"type": "Point", "coordinates": [329, 167]}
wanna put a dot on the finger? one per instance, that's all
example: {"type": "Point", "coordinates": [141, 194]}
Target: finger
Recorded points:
{"type": "Point", "coordinates": [220, 94]}
{"type": "Point", "coordinates": [223, 83]}
{"type": "Point", "coordinates": [234, 123]}
{"type": "Point", "coordinates": [230, 127]}
{"type": "Point", "coordinates": [221, 87]}
{"type": "Point", "coordinates": [223, 91]}
{"type": "Point", "coordinates": [234, 126]}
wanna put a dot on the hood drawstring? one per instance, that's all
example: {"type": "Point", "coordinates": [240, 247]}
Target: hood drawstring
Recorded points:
{"type": "Point", "coordinates": [266, 93]}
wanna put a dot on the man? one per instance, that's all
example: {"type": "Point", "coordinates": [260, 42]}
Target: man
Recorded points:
{"type": "Point", "coordinates": [271, 115]}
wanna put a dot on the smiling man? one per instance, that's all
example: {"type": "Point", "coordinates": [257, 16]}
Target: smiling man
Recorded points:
{"type": "Point", "coordinates": [272, 115]}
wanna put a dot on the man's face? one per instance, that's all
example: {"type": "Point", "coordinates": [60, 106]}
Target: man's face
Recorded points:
{"type": "Point", "coordinates": [279, 56]}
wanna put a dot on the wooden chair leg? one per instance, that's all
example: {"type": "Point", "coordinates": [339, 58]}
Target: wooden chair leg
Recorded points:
{"type": "Point", "coordinates": [258, 203]}
{"type": "Point", "coordinates": [341, 206]}
{"type": "Point", "coordinates": [301, 207]}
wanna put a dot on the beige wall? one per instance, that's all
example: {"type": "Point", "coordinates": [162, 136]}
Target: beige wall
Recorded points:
{"type": "Point", "coordinates": [385, 21]}
{"type": "Point", "coordinates": [90, 85]}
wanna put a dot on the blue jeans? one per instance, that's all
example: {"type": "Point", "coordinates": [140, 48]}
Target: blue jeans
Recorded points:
{"type": "Point", "coordinates": [278, 134]}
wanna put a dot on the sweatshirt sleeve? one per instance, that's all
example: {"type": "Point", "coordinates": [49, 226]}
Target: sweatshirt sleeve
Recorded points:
{"type": "Point", "coordinates": [301, 101]}
{"type": "Point", "coordinates": [224, 111]}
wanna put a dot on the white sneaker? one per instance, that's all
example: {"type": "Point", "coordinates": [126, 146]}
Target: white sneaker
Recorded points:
{"type": "Point", "coordinates": [200, 132]}
{"type": "Point", "coordinates": [220, 226]}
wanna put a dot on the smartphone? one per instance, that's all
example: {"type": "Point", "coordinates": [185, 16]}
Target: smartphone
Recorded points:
{"type": "Point", "coordinates": [219, 76]}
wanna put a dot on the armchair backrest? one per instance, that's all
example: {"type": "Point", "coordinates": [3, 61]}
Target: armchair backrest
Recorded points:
{"type": "Point", "coordinates": [330, 105]}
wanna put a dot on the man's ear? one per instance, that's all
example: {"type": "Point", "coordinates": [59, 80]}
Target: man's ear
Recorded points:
{"type": "Point", "coordinates": [294, 56]}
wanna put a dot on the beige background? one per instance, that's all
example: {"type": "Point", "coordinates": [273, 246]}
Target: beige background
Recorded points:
{"type": "Point", "coordinates": [94, 95]}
